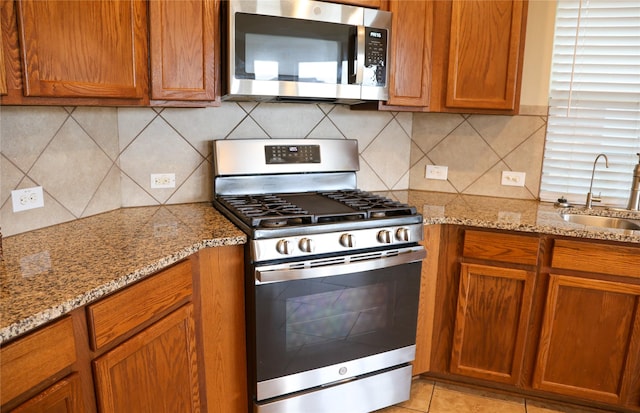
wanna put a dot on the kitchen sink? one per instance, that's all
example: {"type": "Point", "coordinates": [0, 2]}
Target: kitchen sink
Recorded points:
{"type": "Point", "coordinates": [600, 221]}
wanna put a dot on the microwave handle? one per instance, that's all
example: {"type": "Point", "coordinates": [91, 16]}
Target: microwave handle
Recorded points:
{"type": "Point", "coordinates": [360, 54]}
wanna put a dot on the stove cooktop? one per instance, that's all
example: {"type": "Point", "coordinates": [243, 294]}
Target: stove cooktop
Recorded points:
{"type": "Point", "coordinates": [290, 210]}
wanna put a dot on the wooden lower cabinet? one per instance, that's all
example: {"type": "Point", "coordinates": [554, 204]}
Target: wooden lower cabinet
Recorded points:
{"type": "Point", "coordinates": [172, 342]}
{"type": "Point", "coordinates": [223, 332]}
{"type": "Point", "coordinates": [155, 371]}
{"type": "Point", "coordinates": [493, 309]}
{"type": "Point", "coordinates": [589, 345]}
{"type": "Point", "coordinates": [63, 397]}
{"type": "Point", "coordinates": [537, 315]}
{"type": "Point", "coordinates": [37, 371]}
{"type": "Point", "coordinates": [590, 340]}
{"type": "Point", "coordinates": [494, 303]}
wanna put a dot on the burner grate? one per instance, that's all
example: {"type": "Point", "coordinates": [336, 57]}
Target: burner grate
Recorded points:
{"type": "Point", "coordinates": [265, 210]}
{"type": "Point", "coordinates": [375, 205]}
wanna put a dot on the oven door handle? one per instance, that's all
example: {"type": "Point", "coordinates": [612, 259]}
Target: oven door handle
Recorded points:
{"type": "Point", "coordinates": [346, 265]}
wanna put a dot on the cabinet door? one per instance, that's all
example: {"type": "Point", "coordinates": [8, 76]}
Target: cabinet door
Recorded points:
{"type": "Point", "coordinates": [223, 347]}
{"type": "Point", "coordinates": [183, 49]}
{"type": "Point", "coordinates": [155, 371]}
{"type": "Point", "coordinates": [3, 69]}
{"type": "Point", "coordinates": [485, 54]}
{"type": "Point", "coordinates": [410, 55]}
{"type": "Point", "coordinates": [63, 397]}
{"type": "Point", "coordinates": [93, 48]}
{"type": "Point", "coordinates": [364, 3]}
{"type": "Point", "coordinates": [492, 314]}
{"type": "Point", "coordinates": [31, 360]}
{"type": "Point", "coordinates": [590, 340]}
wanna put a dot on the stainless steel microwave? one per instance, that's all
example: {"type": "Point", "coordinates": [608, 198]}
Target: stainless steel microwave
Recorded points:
{"type": "Point", "coordinates": [299, 50]}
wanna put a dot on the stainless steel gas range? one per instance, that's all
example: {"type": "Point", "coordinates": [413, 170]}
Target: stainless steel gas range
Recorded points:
{"type": "Point", "coordinates": [332, 276]}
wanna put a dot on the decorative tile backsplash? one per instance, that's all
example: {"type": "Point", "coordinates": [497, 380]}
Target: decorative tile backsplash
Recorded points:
{"type": "Point", "coordinates": [94, 159]}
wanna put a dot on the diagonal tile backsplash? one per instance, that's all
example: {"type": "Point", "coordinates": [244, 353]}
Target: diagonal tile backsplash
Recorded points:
{"type": "Point", "coordinates": [95, 159]}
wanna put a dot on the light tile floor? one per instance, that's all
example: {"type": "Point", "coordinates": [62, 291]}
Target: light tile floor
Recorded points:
{"type": "Point", "coordinates": [430, 397]}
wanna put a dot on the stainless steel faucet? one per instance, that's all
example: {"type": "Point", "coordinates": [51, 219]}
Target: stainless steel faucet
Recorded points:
{"type": "Point", "coordinates": [634, 197]}
{"type": "Point", "coordinates": [590, 198]}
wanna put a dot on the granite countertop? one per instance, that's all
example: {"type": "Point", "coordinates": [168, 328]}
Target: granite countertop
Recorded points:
{"type": "Point", "coordinates": [49, 272]}
{"type": "Point", "coordinates": [512, 214]}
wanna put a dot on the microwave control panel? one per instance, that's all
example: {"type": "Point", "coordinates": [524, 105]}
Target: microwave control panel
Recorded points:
{"type": "Point", "coordinates": [375, 57]}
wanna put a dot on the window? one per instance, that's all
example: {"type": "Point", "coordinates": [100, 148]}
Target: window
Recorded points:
{"type": "Point", "coordinates": [594, 101]}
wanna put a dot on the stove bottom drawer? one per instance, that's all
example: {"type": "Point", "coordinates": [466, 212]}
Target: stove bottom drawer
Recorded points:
{"type": "Point", "coordinates": [360, 395]}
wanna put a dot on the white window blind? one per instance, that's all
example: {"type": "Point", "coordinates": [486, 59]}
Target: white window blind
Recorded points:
{"type": "Point", "coordinates": [594, 101]}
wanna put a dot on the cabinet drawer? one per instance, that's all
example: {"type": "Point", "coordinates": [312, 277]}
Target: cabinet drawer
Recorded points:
{"type": "Point", "coordinates": [30, 360]}
{"type": "Point", "coordinates": [596, 258]}
{"type": "Point", "coordinates": [116, 315]}
{"type": "Point", "coordinates": [503, 247]}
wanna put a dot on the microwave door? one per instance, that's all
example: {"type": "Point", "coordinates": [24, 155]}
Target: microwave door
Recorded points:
{"type": "Point", "coordinates": [273, 56]}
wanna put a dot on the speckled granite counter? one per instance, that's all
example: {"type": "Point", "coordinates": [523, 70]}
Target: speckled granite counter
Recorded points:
{"type": "Point", "coordinates": [511, 214]}
{"type": "Point", "coordinates": [51, 271]}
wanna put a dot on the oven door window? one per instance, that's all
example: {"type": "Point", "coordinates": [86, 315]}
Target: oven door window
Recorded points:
{"type": "Point", "coordinates": [283, 49]}
{"type": "Point", "coordinates": [306, 324]}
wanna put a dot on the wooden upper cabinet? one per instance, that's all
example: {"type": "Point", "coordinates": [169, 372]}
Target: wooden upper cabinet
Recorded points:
{"type": "Point", "coordinates": [410, 53]}
{"type": "Point", "coordinates": [376, 4]}
{"type": "Point", "coordinates": [481, 55]}
{"type": "Point", "coordinates": [457, 55]}
{"type": "Point", "coordinates": [84, 48]}
{"type": "Point", "coordinates": [3, 69]}
{"type": "Point", "coordinates": [183, 36]}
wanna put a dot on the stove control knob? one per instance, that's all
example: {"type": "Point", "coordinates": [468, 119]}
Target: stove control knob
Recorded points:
{"type": "Point", "coordinates": [348, 240]}
{"type": "Point", "coordinates": [384, 236]}
{"type": "Point", "coordinates": [402, 234]}
{"type": "Point", "coordinates": [284, 247]}
{"type": "Point", "coordinates": [306, 245]}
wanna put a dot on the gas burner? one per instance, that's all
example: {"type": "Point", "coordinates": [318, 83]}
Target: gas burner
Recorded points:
{"type": "Point", "coordinates": [279, 223]}
{"type": "Point", "coordinates": [376, 205]}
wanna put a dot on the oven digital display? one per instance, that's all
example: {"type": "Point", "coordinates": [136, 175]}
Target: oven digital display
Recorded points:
{"type": "Point", "coordinates": [285, 154]}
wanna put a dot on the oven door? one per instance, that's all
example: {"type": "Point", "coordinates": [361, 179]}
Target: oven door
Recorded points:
{"type": "Point", "coordinates": [330, 320]}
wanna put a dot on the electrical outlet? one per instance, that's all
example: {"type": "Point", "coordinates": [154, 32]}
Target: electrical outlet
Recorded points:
{"type": "Point", "coordinates": [27, 198]}
{"type": "Point", "coordinates": [163, 181]}
{"type": "Point", "coordinates": [436, 172]}
{"type": "Point", "coordinates": [510, 178]}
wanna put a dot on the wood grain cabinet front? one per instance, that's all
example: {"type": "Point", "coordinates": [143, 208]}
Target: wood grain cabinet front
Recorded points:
{"type": "Point", "coordinates": [494, 303]}
{"type": "Point", "coordinates": [39, 363]}
{"type": "Point", "coordinates": [154, 371]}
{"type": "Point", "coordinates": [375, 4]}
{"type": "Point", "coordinates": [589, 346]}
{"type": "Point", "coordinates": [63, 397]}
{"type": "Point", "coordinates": [457, 55]}
{"type": "Point", "coordinates": [410, 52]}
{"type": "Point", "coordinates": [3, 68]}
{"type": "Point", "coordinates": [95, 48]}
{"type": "Point", "coordinates": [184, 43]}
{"type": "Point", "coordinates": [110, 53]}
{"type": "Point", "coordinates": [128, 310]}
